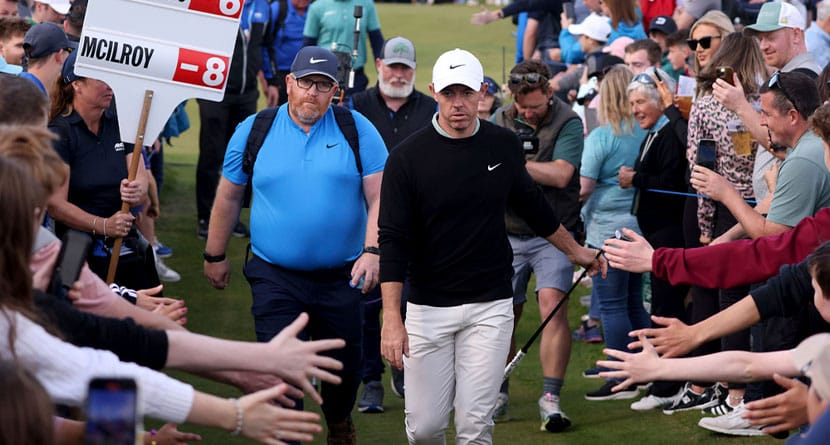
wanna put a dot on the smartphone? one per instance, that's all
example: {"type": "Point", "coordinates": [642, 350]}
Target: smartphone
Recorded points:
{"type": "Point", "coordinates": [74, 250]}
{"type": "Point", "coordinates": [706, 152]}
{"type": "Point", "coordinates": [568, 7]}
{"type": "Point", "coordinates": [111, 412]}
{"type": "Point", "coordinates": [726, 73]}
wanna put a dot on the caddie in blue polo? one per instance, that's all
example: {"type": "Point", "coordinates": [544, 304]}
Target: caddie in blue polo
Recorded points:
{"type": "Point", "coordinates": [313, 220]}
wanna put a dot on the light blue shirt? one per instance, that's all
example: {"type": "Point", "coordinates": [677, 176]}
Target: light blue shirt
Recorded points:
{"type": "Point", "coordinates": [308, 209]}
{"type": "Point", "coordinates": [818, 44]}
{"type": "Point", "coordinates": [609, 207]}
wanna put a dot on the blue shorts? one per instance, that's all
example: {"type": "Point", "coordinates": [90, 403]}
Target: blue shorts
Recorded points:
{"type": "Point", "coordinates": [537, 255]}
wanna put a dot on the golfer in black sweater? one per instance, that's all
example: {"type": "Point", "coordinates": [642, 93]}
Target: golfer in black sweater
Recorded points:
{"type": "Point", "coordinates": [443, 198]}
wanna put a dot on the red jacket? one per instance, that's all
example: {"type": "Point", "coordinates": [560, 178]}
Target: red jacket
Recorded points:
{"type": "Point", "coordinates": [742, 262]}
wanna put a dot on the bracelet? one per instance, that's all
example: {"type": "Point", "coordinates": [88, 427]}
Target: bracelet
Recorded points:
{"type": "Point", "coordinates": [153, 437]}
{"type": "Point", "coordinates": [238, 407]}
{"type": "Point", "coordinates": [371, 249]}
{"type": "Point", "coordinates": [94, 220]}
{"type": "Point", "coordinates": [213, 258]}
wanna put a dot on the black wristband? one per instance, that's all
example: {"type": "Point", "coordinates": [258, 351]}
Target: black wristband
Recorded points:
{"type": "Point", "coordinates": [371, 249]}
{"type": "Point", "coordinates": [213, 258]}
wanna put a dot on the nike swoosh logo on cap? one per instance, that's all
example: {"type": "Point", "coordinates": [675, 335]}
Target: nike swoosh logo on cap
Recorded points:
{"type": "Point", "coordinates": [493, 167]}
{"type": "Point", "coordinates": [315, 61]}
{"type": "Point", "coordinates": [452, 67]}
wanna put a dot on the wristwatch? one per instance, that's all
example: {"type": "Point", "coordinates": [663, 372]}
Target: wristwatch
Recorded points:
{"type": "Point", "coordinates": [371, 249]}
{"type": "Point", "coordinates": [213, 258]}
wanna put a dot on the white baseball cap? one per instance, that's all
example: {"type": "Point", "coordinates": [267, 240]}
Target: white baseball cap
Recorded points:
{"type": "Point", "coordinates": [594, 26]}
{"type": "Point", "coordinates": [457, 67]}
{"type": "Point", "coordinates": [61, 6]}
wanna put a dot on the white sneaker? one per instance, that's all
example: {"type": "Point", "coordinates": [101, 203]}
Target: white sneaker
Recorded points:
{"type": "Point", "coordinates": [553, 418]}
{"type": "Point", "coordinates": [650, 402]}
{"type": "Point", "coordinates": [166, 273]}
{"type": "Point", "coordinates": [732, 424]}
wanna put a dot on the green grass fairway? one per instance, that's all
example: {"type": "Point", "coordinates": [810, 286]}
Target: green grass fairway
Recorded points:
{"type": "Point", "coordinates": [226, 313]}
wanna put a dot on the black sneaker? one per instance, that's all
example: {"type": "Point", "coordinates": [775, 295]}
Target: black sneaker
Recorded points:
{"type": "Point", "coordinates": [691, 400]}
{"type": "Point", "coordinates": [240, 231]}
{"type": "Point", "coordinates": [605, 393]}
{"type": "Point", "coordinates": [202, 231]}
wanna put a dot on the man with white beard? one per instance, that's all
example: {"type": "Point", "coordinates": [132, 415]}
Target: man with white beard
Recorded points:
{"type": "Point", "coordinates": [396, 110]}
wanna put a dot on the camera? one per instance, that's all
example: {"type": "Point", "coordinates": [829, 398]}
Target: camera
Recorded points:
{"type": "Point", "coordinates": [530, 143]}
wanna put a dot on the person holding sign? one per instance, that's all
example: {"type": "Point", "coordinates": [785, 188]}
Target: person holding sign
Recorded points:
{"type": "Point", "coordinates": [313, 221]}
{"type": "Point", "coordinates": [89, 141]}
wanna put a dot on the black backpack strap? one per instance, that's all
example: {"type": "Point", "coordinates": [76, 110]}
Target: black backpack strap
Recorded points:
{"type": "Point", "coordinates": [260, 128]}
{"type": "Point", "coordinates": [345, 121]}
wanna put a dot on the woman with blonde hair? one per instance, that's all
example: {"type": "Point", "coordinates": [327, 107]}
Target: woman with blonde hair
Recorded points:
{"type": "Point", "coordinates": [706, 36]}
{"type": "Point", "coordinates": [607, 208]}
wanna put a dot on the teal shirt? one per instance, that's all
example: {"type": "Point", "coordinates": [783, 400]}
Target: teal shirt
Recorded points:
{"type": "Point", "coordinates": [569, 143]}
{"type": "Point", "coordinates": [331, 22]}
{"type": "Point", "coordinates": [609, 207]}
{"type": "Point", "coordinates": [803, 184]}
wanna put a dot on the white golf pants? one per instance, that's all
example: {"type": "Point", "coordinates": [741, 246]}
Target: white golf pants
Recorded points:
{"type": "Point", "coordinates": [456, 361]}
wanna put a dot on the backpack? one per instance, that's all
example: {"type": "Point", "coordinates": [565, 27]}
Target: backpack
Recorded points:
{"type": "Point", "coordinates": [261, 126]}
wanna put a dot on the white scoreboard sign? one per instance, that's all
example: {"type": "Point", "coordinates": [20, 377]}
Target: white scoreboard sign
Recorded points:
{"type": "Point", "coordinates": [180, 49]}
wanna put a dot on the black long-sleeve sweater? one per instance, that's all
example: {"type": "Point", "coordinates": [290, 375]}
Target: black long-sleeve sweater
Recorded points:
{"type": "Point", "coordinates": [129, 341]}
{"type": "Point", "coordinates": [442, 210]}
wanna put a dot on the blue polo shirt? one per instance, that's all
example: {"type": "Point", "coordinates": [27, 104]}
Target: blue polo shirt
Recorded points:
{"type": "Point", "coordinates": [308, 209]}
{"type": "Point", "coordinates": [289, 38]}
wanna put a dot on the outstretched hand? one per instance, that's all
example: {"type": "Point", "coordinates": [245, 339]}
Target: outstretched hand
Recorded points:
{"type": "Point", "coordinates": [273, 425]}
{"type": "Point", "coordinates": [783, 412]}
{"type": "Point", "coordinates": [297, 361]}
{"type": "Point", "coordinates": [632, 367]}
{"type": "Point", "coordinates": [630, 256]}
{"type": "Point", "coordinates": [484, 17]}
{"type": "Point", "coordinates": [674, 339]}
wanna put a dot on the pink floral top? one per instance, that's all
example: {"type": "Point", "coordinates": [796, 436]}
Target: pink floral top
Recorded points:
{"type": "Point", "coordinates": [708, 120]}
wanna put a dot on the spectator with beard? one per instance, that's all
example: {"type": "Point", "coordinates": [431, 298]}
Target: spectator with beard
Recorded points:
{"type": "Point", "coordinates": [396, 110]}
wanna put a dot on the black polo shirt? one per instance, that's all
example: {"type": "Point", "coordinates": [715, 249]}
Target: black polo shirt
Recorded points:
{"type": "Point", "coordinates": [97, 162]}
{"type": "Point", "coordinates": [394, 127]}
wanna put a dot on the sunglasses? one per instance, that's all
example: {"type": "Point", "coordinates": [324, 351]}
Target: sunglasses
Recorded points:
{"type": "Point", "coordinates": [775, 82]}
{"type": "Point", "coordinates": [529, 78]}
{"type": "Point", "coordinates": [704, 42]}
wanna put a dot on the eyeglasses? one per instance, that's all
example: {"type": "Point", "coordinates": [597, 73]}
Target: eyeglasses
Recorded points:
{"type": "Point", "coordinates": [775, 81]}
{"type": "Point", "coordinates": [704, 42]}
{"type": "Point", "coordinates": [645, 79]}
{"type": "Point", "coordinates": [529, 78]}
{"type": "Point", "coordinates": [323, 86]}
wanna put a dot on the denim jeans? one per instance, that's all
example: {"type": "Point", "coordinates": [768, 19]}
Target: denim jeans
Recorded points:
{"type": "Point", "coordinates": [620, 306]}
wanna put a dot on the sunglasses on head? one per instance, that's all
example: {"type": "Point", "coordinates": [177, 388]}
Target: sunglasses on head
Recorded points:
{"type": "Point", "coordinates": [776, 82]}
{"type": "Point", "coordinates": [529, 78]}
{"type": "Point", "coordinates": [704, 42]}
{"type": "Point", "coordinates": [645, 79]}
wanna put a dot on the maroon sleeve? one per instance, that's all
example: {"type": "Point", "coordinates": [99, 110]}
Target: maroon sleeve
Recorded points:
{"type": "Point", "coordinates": [742, 262]}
